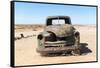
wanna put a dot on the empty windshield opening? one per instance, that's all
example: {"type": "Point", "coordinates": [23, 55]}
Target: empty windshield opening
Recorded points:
{"type": "Point", "coordinates": [58, 21]}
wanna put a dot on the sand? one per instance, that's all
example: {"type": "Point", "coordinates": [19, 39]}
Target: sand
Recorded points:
{"type": "Point", "coordinates": [25, 49]}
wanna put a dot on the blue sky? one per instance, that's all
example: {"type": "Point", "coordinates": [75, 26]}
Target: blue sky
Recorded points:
{"type": "Point", "coordinates": [36, 13]}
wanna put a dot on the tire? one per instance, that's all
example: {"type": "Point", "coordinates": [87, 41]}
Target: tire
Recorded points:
{"type": "Point", "coordinates": [76, 52]}
{"type": "Point", "coordinates": [44, 54]}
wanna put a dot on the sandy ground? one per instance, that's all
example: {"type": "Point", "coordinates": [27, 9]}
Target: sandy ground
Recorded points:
{"type": "Point", "coordinates": [25, 49]}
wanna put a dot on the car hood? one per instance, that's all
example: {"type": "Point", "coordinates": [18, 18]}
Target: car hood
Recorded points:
{"type": "Point", "coordinates": [61, 30]}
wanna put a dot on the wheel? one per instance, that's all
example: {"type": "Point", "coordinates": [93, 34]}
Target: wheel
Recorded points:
{"type": "Point", "coordinates": [75, 52]}
{"type": "Point", "coordinates": [44, 54]}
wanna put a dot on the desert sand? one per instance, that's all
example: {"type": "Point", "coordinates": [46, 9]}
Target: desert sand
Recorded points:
{"type": "Point", "coordinates": [25, 48]}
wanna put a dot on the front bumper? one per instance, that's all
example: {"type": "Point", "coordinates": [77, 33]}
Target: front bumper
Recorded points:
{"type": "Point", "coordinates": [56, 49]}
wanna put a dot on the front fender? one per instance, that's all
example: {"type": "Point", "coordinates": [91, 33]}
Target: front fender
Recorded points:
{"type": "Point", "coordinates": [77, 39]}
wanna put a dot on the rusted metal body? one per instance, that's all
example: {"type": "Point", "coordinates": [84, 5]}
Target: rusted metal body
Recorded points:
{"type": "Point", "coordinates": [59, 38]}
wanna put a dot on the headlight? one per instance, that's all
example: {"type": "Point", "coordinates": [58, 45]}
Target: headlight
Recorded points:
{"type": "Point", "coordinates": [76, 33]}
{"type": "Point", "coordinates": [40, 36]}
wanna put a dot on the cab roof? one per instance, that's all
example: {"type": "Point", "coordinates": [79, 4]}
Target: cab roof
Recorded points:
{"type": "Point", "coordinates": [50, 18]}
{"type": "Point", "coordinates": [57, 17]}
